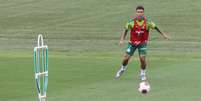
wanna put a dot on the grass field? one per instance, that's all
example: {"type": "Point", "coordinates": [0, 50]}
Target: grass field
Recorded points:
{"type": "Point", "coordinates": [84, 55]}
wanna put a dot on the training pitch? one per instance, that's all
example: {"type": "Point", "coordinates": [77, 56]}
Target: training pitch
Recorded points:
{"type": "Point", "coordinates": [82, 38]}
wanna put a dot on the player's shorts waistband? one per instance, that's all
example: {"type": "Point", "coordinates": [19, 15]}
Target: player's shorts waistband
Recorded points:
{"type": "Point", "coordinates": [144, 43]}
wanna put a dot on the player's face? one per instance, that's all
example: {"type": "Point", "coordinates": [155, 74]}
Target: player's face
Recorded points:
{"type": "Point", "coordinates": [140, 13]}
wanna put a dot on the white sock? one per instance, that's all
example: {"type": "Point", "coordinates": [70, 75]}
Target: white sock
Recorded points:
{"type": "Point", "coordinates": [123, 67]}
{"type": "Point", "coordinates": [142, 72]}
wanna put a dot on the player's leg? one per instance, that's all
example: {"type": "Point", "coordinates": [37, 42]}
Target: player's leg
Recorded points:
{"type": "Point", "coordinates": [143, 67]}
{"type": "Point", "coordinates": [126, 58]}
{"type": "Point", "coordinates": [143, 63]}
{"type": "Point", "coordinates": [129, 52]}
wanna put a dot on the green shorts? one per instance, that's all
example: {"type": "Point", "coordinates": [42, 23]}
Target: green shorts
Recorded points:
{"type": "Point", "coordinates": [142, 49]}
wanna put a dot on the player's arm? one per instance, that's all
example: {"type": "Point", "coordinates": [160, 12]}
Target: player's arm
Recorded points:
{"type": "Point", "coordinates": [153, 26]}
{"type": "Point", "coordinates": [127, 27]}
{"type": "Point", "coordinates": [123, 37]}
{"type": "Point", "coordinates": [165, 36]}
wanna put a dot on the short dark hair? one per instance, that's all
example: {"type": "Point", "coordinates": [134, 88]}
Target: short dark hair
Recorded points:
{"type": "Point", "coordinates": [140, 7]}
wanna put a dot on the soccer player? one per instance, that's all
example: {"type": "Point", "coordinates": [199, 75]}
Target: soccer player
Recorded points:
{"type": "Point", "coordinates": [139, 28]}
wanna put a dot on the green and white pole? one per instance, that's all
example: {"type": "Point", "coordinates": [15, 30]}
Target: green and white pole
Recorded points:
{"type": "Point", "coordinates": [41, 68]}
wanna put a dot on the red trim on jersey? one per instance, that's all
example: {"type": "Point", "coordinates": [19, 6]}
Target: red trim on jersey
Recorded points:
{"type": "Point", "coordinates": [139, 34]}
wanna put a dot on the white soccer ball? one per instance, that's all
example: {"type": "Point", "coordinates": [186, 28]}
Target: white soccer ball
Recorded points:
{"type": "Point", "coordinates": [144, 87]}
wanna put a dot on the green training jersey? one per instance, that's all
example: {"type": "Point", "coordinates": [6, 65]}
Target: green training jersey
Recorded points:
{"type": "Point", "coordinates": [130, 24]}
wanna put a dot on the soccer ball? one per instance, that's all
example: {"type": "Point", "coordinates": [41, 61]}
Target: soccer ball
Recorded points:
{"type": "Point", "coordinates": [144, 87]}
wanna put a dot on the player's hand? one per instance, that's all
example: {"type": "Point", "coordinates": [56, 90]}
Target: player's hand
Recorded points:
{"type": "Point", "coordinates": [121, 43]}
{"type": "Point", "coordinates": [166, 36]}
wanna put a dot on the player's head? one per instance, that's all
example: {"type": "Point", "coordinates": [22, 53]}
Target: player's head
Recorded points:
{"type": "Point", "coordinates": [140, 12]}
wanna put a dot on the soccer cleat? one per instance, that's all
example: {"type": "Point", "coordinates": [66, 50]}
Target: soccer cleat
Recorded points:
{"type": "Point", "coordinates": [120, 72]}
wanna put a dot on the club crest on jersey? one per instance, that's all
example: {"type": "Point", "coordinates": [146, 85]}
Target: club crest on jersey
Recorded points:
{"type": "Point", "coordinates": [143, 27]}
{"type": "Point", "coordinates": [139, 32]}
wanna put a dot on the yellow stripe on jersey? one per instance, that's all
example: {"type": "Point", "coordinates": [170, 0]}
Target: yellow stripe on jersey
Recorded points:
{"type": "Point", "coordinates": [129, 25]}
